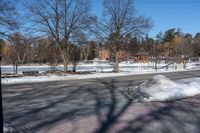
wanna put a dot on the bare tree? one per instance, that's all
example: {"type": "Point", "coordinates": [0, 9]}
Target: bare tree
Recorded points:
{"type": "Point", "coordinates": [20, 45]}
{"type": "Point", "coordinates": [188, 51]}
{"type": "Point", "coordinates": [196, 44]}
{"type": "Point", "coordinates": [60, 19]}
{"type": "Point", "coordinates": [84, 44]}
{"type": "Point", "coordinates": [7, 17]}
{"type": "Point", "coordinates": [19, 49]}
{"type": "Point", "coordinates": [86, 50]}
{"type": "Point", "coordinates": [74, 55]}
{"type": "Point", "coordinates": [119, 20]}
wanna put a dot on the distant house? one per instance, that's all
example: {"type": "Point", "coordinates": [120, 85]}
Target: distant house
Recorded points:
{"type": "Point", "coordinates": [140, 56]}
{"type": "Point", "coordinates": [105, 54]}
{"type": "Point", "coordinates": [122, 55]}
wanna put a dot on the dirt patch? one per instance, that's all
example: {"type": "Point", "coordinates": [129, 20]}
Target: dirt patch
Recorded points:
{"type": "Point", "coordinates": [10, 75]}
{"type": "Point", "coordinates": [62, 73]}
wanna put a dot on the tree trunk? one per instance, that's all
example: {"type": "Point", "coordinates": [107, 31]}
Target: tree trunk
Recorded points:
{"type": "Point", "coordinates": [86, 57]}
{"type": "Point", "coordinates": [156, 67]}
{"type": "Point", "coordinates": [156, 63]}
{"type": "Point", "coordinates": [74, 66]}
{"type": "Point", "coordinates": [14, 68]}
{"type": "Point", "coordinates": [64, 58]}
{"type": "Point", "coordinates": [116, 64]}
{"type": "Point", "coordinates": [65, 66]}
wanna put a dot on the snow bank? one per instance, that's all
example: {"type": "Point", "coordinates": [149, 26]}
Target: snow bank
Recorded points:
{"type": "Point", "coordinates": [101, 73]}
{"type": "Point", "coordinates": [52, 77]}
{"type": "Point", "coordinates": [160, 88]}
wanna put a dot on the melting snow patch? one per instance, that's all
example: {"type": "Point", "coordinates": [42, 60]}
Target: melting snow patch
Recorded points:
{"type": "Point", "coordinates": [160, 88]}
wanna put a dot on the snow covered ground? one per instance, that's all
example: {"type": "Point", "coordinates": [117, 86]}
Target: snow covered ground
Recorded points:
{"type": "Point", "coordinates": [91, 67]}
{"type": "Point", "coordinates": [160, 88]}
{"type": "Point", "coordinates": [97, 70]}
{"type": "Point", "coordinates": [51, 77]}
{"type": "Point", "coordinates": [193, 65]}
{"type": "Point", "coordinates": [103, 67]}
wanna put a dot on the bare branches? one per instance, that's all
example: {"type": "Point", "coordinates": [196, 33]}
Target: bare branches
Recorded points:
{"type": "Point", "coordinates": [60, 19]}
{"type": "Point", "coordinates": [119, 20]}
{"type": "Point", "coordinates": [7, 18]}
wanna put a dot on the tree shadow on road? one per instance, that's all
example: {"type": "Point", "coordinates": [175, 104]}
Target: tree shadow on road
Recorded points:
{"type": "Point", "coordinates": [171, 116]}
{"type": "Point", "coordinates": [113, 108]}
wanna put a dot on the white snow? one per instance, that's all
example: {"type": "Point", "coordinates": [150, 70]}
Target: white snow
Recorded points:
{"type": "Point", "coordinates": [193, 65]}
{"type": "Point", "coordinates": [95, 66]}
{"type": "Point", "coordinates": [51, 77]}
{"type": "Point", "coordinates": [99, 69]}
{"type": "Point", "coordinates": [160, 88]}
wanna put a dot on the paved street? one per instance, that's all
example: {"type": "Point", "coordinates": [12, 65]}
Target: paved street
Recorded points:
{"type": "Point", "coordinates": [97, 106]}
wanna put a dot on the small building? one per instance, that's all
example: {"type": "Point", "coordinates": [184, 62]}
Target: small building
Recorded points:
{"type": "Point", "coordinates": [105, 54]}
{"type": "Point", "coordinates": [122, 55]}
{"type": "Point", "coordinates": [141, 56]}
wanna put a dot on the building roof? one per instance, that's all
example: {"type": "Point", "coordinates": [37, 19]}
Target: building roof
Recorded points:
{"type": "Point", "coordinates": [142, 53]}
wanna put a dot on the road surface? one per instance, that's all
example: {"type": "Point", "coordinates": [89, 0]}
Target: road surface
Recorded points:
{"type": "Point", "coordinates": [97, 106]}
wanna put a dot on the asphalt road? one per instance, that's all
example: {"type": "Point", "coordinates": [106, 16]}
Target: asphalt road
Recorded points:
{"type": "Point", "coordinates": [101, 105]}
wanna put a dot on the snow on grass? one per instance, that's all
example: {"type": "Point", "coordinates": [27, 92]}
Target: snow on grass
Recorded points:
{"type": "Point", "coordinates": [193, 65]}
{"type": "Point", "coordinates": [87, 67]}
{"type": "Point", "coordinates": [98, 69]}
{"type": "Point", "coordinates": [52, 77]}
{"type": "Point", "coordinates": [160, 88]}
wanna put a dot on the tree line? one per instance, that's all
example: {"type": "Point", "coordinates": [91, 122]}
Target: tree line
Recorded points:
{"type": "Point", "coordinates": [66, 31]}
{"type": "Point", "coordinates": [170, 44]}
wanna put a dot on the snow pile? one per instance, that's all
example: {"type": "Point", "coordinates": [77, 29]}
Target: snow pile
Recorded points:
{"type": "Point", "coordinates": [160, 88]}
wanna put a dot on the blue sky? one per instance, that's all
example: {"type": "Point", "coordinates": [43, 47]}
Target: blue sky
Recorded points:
{"type": "Point", "coordinates": [166, 14]}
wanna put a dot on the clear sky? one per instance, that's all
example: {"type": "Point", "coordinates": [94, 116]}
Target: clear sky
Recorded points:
{"type": "Point", "coordinates": [166, 14]}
